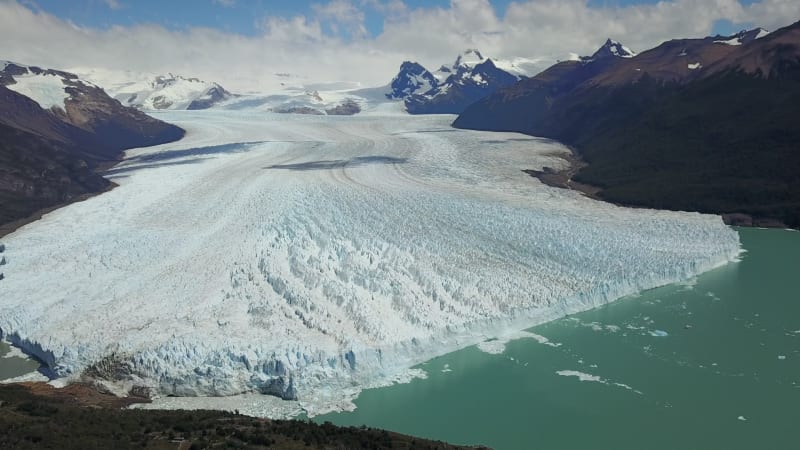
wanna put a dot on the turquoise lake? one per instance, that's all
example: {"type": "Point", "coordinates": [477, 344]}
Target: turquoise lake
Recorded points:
{"type": "Point", "coordinates": [710, 364]}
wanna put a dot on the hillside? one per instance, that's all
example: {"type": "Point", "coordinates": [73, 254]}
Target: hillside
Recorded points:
{"type": "Point", "coordinates": [37, 416]}
{"type": "Point", "coordinates": [57, 131]}
{"type": "Point", "coordinates": [694, 124]}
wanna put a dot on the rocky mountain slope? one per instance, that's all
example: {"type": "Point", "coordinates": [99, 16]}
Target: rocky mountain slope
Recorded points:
{"type": "Point", "coordinates": [56, 131]}
{"type": "Point", "coordinates": [453, 87]}
{"type": "Point", "coordinates": [694, 124]}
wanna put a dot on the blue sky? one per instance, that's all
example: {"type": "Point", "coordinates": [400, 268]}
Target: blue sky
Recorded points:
{"type": "Point", "coordinates": [245, 16]}
{"type": "Point", "coordinates": [244, 43]}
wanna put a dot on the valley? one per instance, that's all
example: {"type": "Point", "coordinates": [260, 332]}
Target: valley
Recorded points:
{"type": "Point", "coordinates": [309, 257]}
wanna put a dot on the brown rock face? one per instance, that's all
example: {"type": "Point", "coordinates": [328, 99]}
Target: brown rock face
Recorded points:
{"type": "Point", "coordinates": [50, 157]}
{"type": "Point", "coordinates": [693, 124]}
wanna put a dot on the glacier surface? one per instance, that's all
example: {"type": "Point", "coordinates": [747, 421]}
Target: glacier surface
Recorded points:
{"type": "Point", "coordinates": [310, 257]}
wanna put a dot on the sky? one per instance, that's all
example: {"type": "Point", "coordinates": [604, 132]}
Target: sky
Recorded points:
{"type": "Point", "coordinates": [243, 44]}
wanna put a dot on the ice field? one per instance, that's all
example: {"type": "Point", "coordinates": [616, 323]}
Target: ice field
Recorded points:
{"type": "Point", "coordinates": [309, 257]}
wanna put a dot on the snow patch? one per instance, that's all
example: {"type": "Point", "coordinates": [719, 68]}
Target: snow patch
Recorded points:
{"type": "Point", "coordinates": [48, 90]}
{"type": "Point", "coordinates": [733, 41]}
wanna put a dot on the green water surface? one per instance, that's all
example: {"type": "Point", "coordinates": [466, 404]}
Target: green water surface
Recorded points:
{"type": "Point", "coordinates": [13, 366]}
{"type": "Point", "coordinates": [725, 376]}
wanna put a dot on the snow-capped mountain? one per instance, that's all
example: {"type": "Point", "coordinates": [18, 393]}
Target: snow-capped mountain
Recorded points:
{"type": "Point", "coordinates": [682, 89]}
{"type": "Point", "coordinates": [50, 89]}
{"type": "Point", "coordinates": [742, 37]}
{"type": "Point", "coordinates": [411, 79]}
{"type": "Point", "coordinates": [467, 59]}
{"type": "Point", "coordinates": [609, 49]}
{"type": "Point", "coordinates": [173, 92]}
{"type": "Point", "coordinates": [153, 92]}
{"type": "Point", "coordinates": [453, 86]}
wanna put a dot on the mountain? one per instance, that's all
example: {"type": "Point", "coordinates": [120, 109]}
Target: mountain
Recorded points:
{"type": "Point", "coordinates": [694, 124]}
{"type": "Point", "coordinates": [742, 37]}
{"type": "Point", "coordinates": [157, 92]}
{"type": "Point", "coordinates": [57, 130]}
{"type": "Point", "coordinates": [452, 87]}
{"type": "Point", "coordinates": [611, 48]}
{"type": "Point", "coordinates": [411, 79]}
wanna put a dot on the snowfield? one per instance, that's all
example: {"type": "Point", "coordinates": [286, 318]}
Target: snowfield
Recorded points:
{"type": "Point", "coordinates": [310, 257]}
{"type": "Point", "coordinates": [49, 91]}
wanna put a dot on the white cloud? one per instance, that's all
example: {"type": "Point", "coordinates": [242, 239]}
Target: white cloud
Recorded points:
{"type": "Point", "coordinates": [330, 44]}
{"type": "Point", "coordinates": [113, 4]}
{"type": "Point", "coordinates": [388, 7]}
{"type": "Point", "coordinates": [225, 3]}
{"type": "Point", "coordinates": [342, 17]}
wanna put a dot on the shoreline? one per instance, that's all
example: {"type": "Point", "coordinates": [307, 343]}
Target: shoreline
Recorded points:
{"type": "Point", "coordinates": [79, 416]}
{"type": "Point", "coordinates": [10, 227]}
{"type": "Point", "coordinates": [562, 179]}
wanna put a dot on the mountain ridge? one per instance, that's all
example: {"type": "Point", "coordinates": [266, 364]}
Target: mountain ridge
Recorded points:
{"type": "Point", "coordinates": [452, 87]}
{"type": "Point", "coordinates": [700, 126]}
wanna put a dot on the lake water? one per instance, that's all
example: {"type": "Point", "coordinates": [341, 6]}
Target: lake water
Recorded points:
{"type": "Point", "coordinates": [713, 363]}
{"type": "Point", "coordinates": [12, 365]}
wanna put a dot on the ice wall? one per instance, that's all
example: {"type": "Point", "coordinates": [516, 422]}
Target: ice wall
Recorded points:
{"type": "Point", "coordinates": [309, 257]}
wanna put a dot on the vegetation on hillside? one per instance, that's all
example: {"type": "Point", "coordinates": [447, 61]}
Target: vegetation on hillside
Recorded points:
{"type": "Point", "coordinates": [29, 420]}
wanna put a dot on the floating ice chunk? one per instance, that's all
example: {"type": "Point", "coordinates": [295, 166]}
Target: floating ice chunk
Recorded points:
{"type": "Point", "coordinates": [15, 352]}
{"type": "Point", "coordinates": [659, 333]}
{"type": "Point", "coordinates": [498, 346]}
{"type": "Point", "coordinates": [689, 284]}
{"type": "Point", "coordinates": [35, 377]}
{"type": "Point", "coordinates": [781, 357]}
{"type": "Point", "coordinates": [582, 376]}
{"type": "Point", "coordinates": [447, 368]}
{"type": "Point", "coordinates": [694, 66]}
{"type": "Point", "coordinates": [543, 340]}
{"type": "Point", "coordinates": [742, 418]}
{"type": "Point", "coordinates": [493, 347]}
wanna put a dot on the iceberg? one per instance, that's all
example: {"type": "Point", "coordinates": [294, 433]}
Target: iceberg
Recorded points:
{"type": "Point", "coordinates": [310, 257]}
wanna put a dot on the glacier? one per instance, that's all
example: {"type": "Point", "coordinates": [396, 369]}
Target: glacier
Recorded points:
{"type": "Point", "coordinates": [310, 257]}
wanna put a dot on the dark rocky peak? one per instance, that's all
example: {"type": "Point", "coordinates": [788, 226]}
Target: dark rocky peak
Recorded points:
{"type": "Point", "coordinates": [740, 38]}
{"type": "Point", "coordinates": [610, 49]}
{"type": "Point", "coordinates": [485, 73]}
{"type": "Point", "coordinates": [412, 67]}
{"type": "Point", "coordinates": [470, 56]}
{"type": "Point", "coordinates": [412, 78]}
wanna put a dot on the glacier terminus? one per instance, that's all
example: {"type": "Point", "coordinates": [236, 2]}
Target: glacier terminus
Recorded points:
{"type": "Point", "coordinates": [291, 261]}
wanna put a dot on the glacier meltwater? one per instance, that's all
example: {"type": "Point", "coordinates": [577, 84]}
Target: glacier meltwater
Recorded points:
{"type": "Point", "coordinates": [279, 263]}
